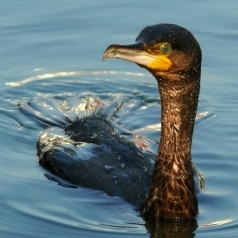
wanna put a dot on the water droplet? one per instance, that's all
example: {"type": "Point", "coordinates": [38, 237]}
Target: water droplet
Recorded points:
{"type": "Point", "coordinates": [115, 179]}
{"type": "Point", "coordinates": [94, 135]}
{"type": "Point", "coordinates": [108, 169]}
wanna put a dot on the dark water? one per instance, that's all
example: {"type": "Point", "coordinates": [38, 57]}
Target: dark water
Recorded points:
{"type": "Point", "coordinates": [54, 49]}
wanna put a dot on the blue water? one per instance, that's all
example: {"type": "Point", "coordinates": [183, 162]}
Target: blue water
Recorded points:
{"type": "Point", "coordinates": [54, 49]}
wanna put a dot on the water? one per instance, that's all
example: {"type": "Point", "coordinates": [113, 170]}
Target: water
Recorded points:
{"type": "Point", "coordinates": [54, 49]}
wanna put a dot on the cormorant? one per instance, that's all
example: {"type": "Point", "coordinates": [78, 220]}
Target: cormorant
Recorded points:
{"type": "Point", "coordinates": [164, 189]}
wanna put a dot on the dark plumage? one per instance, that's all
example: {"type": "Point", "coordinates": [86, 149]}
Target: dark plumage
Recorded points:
{"type": "Point", "coordinates": [173, 56]}
{"type": "Point", "coordinates": [110, 162]}
{"type": "Point", "coordinates": [115, 165]}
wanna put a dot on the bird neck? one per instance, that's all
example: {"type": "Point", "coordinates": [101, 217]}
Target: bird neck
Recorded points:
{"type": "Point", "coordinates": [178, 111]}
{"type": "Point", "coordinates": [172, 191]}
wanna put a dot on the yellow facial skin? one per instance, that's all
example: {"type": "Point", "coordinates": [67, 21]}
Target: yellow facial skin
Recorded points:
{"type": "Point", "coordinates": [160, 54]}
{"type": "Point", "coordinates": [152, 57]}
{"type": "Point", "coordinates": [160, 63]}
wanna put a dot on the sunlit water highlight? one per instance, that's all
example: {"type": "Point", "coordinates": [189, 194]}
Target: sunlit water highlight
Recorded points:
{"type": "Point", "coordinates": [54, 50]}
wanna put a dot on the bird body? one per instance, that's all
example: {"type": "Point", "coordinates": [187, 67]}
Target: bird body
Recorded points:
{"type": "Point", "coordinates": [163, 189]}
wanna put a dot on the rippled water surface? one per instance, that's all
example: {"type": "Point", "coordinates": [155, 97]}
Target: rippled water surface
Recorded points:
{"type": "Point", "coordinates": [53, 50]}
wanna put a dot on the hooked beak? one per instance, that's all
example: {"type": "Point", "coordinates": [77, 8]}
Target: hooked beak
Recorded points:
{"type": "Point", "coordinates": [138, 54]}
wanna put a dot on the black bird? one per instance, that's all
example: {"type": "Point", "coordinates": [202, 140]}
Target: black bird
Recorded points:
{"type": "Point", "coordinates": [163, 189]}
{"type": "Point", "coordinates": [173, 56]}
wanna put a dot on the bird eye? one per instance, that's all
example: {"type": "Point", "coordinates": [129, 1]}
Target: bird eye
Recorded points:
{"type": "Point", "coordinates": [165, 48]}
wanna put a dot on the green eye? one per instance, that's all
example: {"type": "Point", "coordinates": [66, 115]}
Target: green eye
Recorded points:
{"type": "Point", "coordinates": [165, 48]}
